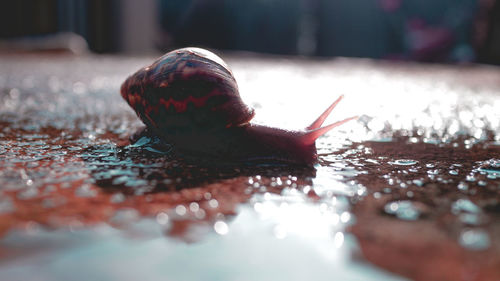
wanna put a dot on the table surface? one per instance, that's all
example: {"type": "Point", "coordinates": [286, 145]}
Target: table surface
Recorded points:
{"type": "Point", "coordinates": [409, 191]}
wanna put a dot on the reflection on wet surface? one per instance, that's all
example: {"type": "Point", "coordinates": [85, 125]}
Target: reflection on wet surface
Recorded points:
{"type": "Point", "coordinates": [418, 175]}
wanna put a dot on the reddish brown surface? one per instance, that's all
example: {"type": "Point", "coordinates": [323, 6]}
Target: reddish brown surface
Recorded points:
{"type": "Point", "coordinates": [226, 185]}
{"type": "Point", "coordinates": [36, 96]}
{"type": "Point", "coordinates": [427, 249]}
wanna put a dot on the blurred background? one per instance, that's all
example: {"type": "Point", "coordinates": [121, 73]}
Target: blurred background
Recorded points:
{"type": "Point", "coordinates": [450, 31]}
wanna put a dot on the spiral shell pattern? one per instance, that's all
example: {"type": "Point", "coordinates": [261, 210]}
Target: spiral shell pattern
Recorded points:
{"type": "Point", "coordinates": [186, 89]}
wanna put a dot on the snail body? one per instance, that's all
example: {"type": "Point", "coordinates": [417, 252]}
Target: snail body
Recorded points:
{"type": "Point", "coordinates": [189, 98]}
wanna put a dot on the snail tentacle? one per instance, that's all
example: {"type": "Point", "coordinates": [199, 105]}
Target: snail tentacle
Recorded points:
{"type": "Point", "coordinates": [310, 136]}
{"type": "Point", "coordinates": [321, 119]}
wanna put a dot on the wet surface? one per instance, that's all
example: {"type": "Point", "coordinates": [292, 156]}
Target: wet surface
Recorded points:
{"type": "Point", "coordinates": [409, 190]}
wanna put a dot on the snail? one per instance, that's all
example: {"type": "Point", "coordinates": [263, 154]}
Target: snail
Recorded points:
{"type": "Point", "coordinates": [189, 98]}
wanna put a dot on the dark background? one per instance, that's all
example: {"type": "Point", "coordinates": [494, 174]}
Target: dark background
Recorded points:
{"type": "Point", "coordinates": [421, 30]}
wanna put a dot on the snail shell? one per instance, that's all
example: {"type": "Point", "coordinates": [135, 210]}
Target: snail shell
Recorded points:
{"type": "Point", "coordinates": [190, 99]}
{"type": "Point", "coordinates": [186, 89]}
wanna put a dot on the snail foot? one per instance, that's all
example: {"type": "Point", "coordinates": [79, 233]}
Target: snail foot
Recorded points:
{"type": "Point", "coordinates": [142, 132]}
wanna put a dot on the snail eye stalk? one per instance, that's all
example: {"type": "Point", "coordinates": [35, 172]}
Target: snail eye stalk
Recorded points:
{"type": "Point", "coordinates": [318, 122]}
{"type": "Point", "coordinates": [314, 131]}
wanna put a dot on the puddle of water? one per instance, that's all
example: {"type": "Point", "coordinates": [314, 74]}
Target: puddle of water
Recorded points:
{"type": "Point", "coordinates": [422, 160]}
{"type": "Point", "coordinates": [83, 253]}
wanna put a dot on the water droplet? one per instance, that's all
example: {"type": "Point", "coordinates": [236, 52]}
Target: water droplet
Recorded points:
{"type": "Point", "coordinates": [79, 88]}
{"type": "Point", "coordinates": [463, 186]}
{"type": "Point", "coordinates": [404, 210]}
{"type": "Point", "coordinates": [117, 198]}
{"type": "Point", "coordinates": [493, 176]}
{"type": "Point", "coordinates": [162, 218]}
{"type": "Point", "coordinates": [413, 140]}
{"type": "Point", "coordinates": [338, 239]}
{"type": "Point", "coordinates": [180, 210]}
{"type": "Point", "coordinates": [470, 178]}
{"type": "Point", "coordinates": [213, 203]}
{"type": "Point", "coordinates": [491, 168]}
{"type": "Point", "coordinates": [200, 214]}
{"type": "Point", "coordinates": [194, 207]}
{"type": "Point", "coordinates": [370, 161]}
{"type": "Point", "coordinates": [345, 217]}
{"type": "Point", "coordinates": [404, 162]}
{"type": "Point", "coordinates": [221, 228]}
{"type": "Point", "coordinates": [433, 172]}
{"type": "Point", "coordinates": [464, 205]}
{"type": "Point", "coordinates": [418, 182]}
{"type": "Point", "coordinates": [85, 191]}
{"type": "Point", "coordinates": [474, 239]}
{"type": "Point", "coordinates": [278, 181]}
